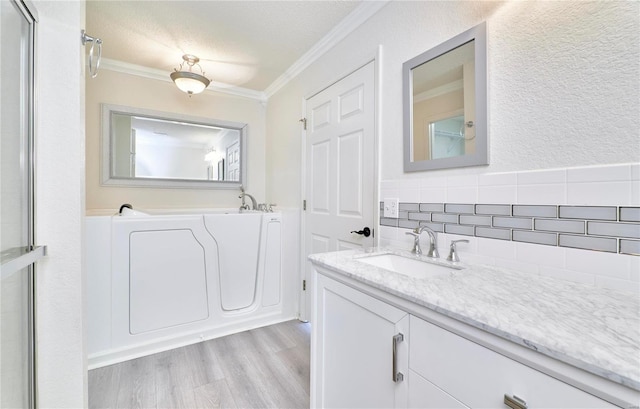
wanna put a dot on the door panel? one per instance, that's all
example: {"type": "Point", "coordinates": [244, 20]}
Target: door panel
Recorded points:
{"type": "Point", "coordinates": [340, 177]}
{"type": "Point", "coordinates": [17, 252]}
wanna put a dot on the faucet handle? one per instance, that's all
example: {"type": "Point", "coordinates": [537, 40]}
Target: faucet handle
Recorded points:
{"type": "Point", "coordinates": [270, 210]}
{"type": "Point", "coordinates": [453, 251]}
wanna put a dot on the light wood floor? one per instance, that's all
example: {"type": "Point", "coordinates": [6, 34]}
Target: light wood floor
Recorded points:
{"type": "Point", "coordinates": [262, 368]}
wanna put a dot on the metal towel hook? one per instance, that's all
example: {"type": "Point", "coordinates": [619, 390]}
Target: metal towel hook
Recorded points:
{"type": "Point", "coordinates": [86, 38]}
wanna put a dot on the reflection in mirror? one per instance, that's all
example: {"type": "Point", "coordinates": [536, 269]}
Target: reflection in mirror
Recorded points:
{"type": "Point", "coordinates": [445, 104]}
{"type": "Point", "coordinates": [147, 148]}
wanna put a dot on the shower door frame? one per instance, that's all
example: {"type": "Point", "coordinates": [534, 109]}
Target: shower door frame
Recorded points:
{"type": "Point", "coordinates": [32, 253]}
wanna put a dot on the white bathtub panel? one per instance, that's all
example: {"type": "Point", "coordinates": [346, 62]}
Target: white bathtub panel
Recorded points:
{"type": "Point", "coordinates": [238, 239]}
{"type": "Point", "coordinates": [98, 267]}
{"type": "Point", "coordinates": [272, 265]}
{"type": "Point", "coordinates": [168, 284]}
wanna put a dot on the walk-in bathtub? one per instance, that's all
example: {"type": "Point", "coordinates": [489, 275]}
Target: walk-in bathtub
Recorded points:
{"type": "Point", "coordinates": [160, 281]}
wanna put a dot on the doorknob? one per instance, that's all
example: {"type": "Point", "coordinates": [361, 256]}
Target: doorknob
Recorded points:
{"type": "Point", "coordinates": [366, 232]}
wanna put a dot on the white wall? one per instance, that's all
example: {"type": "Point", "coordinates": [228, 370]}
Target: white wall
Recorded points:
{"type": "Point", "coordinates": [130, 90]}
{"type": "Point", "coordinates": [61, 360]}
{"type": "Point", "coordinates": [563, 84]}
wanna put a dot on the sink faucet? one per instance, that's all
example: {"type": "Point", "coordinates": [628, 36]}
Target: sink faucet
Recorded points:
{"type": "Point", "coordinates": [244, 206]}
{"type": "Point", "coordinates": [433, 242]}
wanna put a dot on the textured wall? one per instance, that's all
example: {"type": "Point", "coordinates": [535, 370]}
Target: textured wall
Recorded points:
{"type": "Point", "coordinates": [61, 360]}
{"type": "Point", "coordinates": [122, 89]}
{"type": "Point", "coordinates": [563, 83]}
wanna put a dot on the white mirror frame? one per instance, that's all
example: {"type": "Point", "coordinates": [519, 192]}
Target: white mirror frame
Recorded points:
{"type": "Point", "coordinates": [481, 155]}
{"type": "Point", "coordinates": [107, 142]}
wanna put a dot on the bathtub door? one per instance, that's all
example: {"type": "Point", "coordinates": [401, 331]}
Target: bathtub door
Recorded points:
{"type": "Point", "coordinates": [340, 163]}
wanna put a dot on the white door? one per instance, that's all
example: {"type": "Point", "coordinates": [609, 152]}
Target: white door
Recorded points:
{"type": "Point", "coordinates": [340, 163]}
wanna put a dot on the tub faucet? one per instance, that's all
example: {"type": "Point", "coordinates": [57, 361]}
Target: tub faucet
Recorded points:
{"type": "Point", "coordinates": [244, 206]}
{"type": "Point", "coordinates": [433, 241]}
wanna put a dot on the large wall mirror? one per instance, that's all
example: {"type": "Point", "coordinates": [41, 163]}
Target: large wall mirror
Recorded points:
{"type": "Point", "coordinates": [445, 104]}
{"type": "Point", "coordinates": [156, 149]}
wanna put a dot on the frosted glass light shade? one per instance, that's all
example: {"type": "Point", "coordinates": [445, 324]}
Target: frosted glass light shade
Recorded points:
{"type": "Point", "coordinates": [190, 82]}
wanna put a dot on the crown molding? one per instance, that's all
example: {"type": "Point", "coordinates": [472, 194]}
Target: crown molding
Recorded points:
{"type": "Point", "coordinates": [155, 74]}
{"type": "Point", "coordinates": [353, 20]}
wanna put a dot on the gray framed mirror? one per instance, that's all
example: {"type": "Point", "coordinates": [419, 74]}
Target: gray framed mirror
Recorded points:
{"type": "Point", "coordinates": [445, 104]}
{"type": "Point", "coordinates": [147, 148]}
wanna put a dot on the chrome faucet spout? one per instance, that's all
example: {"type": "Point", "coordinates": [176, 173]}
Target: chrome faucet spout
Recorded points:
{"type": "Point", "coordinates": [254, 203]}
{"type": "Point", "coordinates": [433, 240]}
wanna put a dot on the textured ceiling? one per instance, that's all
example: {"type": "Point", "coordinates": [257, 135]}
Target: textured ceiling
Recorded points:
{"type": "Point", "coordinates": [247, 44]}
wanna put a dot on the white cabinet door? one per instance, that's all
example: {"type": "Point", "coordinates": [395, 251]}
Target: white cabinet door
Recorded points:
{"type": "Point", "coordinates": [352, 349]}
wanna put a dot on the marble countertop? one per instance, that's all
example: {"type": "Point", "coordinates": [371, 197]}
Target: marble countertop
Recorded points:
{"type": "Point", "coordinates": [591, 328]}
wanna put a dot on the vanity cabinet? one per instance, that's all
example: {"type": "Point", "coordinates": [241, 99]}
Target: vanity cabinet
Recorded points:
{"type": "Point", "coordinates": [352, 346]}
{"type": "Point", "coordinates": [353, 359]}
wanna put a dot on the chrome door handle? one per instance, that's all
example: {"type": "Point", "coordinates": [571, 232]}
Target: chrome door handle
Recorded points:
{"type": "Point", "coordinates": [514, 402]}
{"type": "Point", "coordinates": [396, 376]}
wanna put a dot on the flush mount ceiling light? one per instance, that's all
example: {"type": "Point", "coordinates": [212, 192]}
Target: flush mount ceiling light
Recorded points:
{"type": "Point", "coordinates": [187, 80]}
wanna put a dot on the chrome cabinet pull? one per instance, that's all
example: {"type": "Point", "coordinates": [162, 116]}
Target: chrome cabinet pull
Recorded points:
{"type": "Point", "coordinates": [514, 402]}
{"type": "Point", "coordinates": [396, 376]}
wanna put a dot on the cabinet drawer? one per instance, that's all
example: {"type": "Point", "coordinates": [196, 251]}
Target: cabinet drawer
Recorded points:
{"type": "Point", "coordinates": [479, 377]}
{"type": "Point", "coordinates": [425, 395]}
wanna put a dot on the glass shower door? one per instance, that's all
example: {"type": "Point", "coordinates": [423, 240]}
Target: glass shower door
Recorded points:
{"type": "Point", "coordinates": [17, 252]}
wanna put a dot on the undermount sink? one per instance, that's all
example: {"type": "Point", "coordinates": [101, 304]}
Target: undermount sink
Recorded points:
{"type": "Point", "coordinates": [408, 266]}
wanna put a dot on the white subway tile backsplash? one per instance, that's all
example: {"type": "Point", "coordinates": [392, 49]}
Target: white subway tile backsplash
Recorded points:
{"type": "Point", "coordinates": [438, 194]}
{"type": "Point", "coordinates": [541, 255]}
{"type": "Point", "coordinates": [462, 194]}
{"type": "Point", "coordinates": [542, 194]}
{"type": "Point", "coordinates": [433, 182]}
{"type": "Point", "coordinates": [542, 177]}
{"type": "Point", "coordinates": [497, 248]}
{"type": "Point", "coordinates": [598, 263]}
{"type": "Point", "coordinates": [599, 174]}
{"type": "Point", "coordinates": [497, 194]}
{"type": "Point", "coordinates": [462, 180]}
{"type": "Point", "coordinates": [595, 208]}
{"type": "Point", "coordinates": [497, 179]}
{"type": "Point", "coordinates": [531, 268]}
{"type": "Point", "coordinates": [599, 193]}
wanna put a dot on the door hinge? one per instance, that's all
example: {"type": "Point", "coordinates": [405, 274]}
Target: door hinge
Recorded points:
{"type": "Point", "coordinates": [304, 205]}
{"type": "Point", "coordinates": [304, 285]}
{"type": "Point", "coordinates": [304, 123]}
